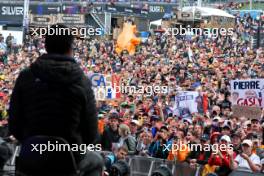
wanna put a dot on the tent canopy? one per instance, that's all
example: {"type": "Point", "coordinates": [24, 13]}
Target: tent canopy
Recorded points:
{"type": "Point", "coordinates": [207, 11]}
{"type": "Point", "coordinates": [156, 23]}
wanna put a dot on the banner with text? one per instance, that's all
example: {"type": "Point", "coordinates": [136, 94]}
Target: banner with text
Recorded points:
{"type": "Point", "coordinates": [247, 92]}
{"type": "Point", "coordinates": [11, 13]}
{"type": "Point", "coordinates": [105, 86]}
{"type": "Point", "coordinates": [41, 20]}
{"type": "Point", "coordinates": [70, 19]}
{"type": "Point", "coordinates": [186, 103]}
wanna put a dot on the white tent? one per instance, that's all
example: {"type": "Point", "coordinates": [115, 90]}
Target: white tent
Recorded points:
{"type": "Point", "coordinates": [156, 23]}
{"type": "Point", "coordinates": [207, 11]}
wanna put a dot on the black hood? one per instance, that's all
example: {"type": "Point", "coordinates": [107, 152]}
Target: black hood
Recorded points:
{"type": "Point", "coordinates": [57, 69]}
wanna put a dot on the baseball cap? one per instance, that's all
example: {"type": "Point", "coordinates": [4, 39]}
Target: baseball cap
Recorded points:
{"type": "Point", "coordinates": [248, 123]}
{"type": "Point", "coordinates": [154, 117]}
{"type": "Point", "coordinates": [235, 135]}
{"type": "Point", "coordinates": [187, 120]}
{"type": "Point", "coordinates": [226, 127]}
{"type": "Point", "coordinates": [164, 127]}
{"type": "Point", "coordinates": [217, 118]}
{"type": "Point", "coordinates": [100, 116]}
{"type": "Point", "coordinates": [135, 122]}
{"type": "Point", "coordinates": [205, 137]}
{"type": "Point", "coordinates": [124, 105]}
{"type": "Point", "coordinates": [225, 138]}
{"type": "Point", "coordinates": [130, 96]}
{"type": "Point", "coordinates": [255, 119]}
{"type": "Point", "coordinates": [102, 112]}
{"type": "Point", "coordinates": [247, 142]}
{"type": "Point", "coordinates": [107, 109]}
{"type": "Point", "coordinates": [113, 115]}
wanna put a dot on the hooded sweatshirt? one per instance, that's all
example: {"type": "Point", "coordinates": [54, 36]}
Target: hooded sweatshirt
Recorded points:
{"type": "Point", "coordinates": [53, 97]}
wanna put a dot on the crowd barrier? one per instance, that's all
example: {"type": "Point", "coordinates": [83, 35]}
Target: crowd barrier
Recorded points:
{"type": "Point", "coordinates": [245, 173]}
{"type": "Point", "coordinates": [144, 166]}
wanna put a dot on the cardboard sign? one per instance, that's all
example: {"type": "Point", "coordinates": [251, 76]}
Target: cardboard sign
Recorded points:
{"type": "Point", "coordinates": [245, 111]}
{"type": "Point", "coordinates": [248, 92]}
{"type": "Point", "coordinates": [186, 103]}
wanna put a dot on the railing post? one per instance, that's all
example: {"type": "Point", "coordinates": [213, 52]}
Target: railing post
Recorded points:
{"type": "Point", "coordinates": [151, 167]}
{"type": "Point", "coordinates": [14, 156]}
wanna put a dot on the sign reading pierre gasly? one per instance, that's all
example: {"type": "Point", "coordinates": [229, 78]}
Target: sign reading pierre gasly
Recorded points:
{"type": "Point", "coordinates": [11, 13]}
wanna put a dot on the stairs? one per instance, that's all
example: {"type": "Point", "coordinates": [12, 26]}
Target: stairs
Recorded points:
{"type": "Point", "coordinates": [104, 26]}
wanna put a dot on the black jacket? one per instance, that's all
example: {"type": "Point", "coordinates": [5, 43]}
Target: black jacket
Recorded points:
{"type": "Point", "coordinates": [53, 97]}
{"type": "Point", "coordinates": [108, 138]}
{"type": "Point", "coordinates": [197, 154]}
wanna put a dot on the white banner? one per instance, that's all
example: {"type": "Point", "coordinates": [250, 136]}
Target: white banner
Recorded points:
{"type": "Point", "coordinates": [186, 103]}
{"type": "Point", "coordinates": [247, 92]}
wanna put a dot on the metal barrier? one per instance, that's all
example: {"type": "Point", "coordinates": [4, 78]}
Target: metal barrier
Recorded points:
{"type": "Point", "coordinates": [144, 166]}
{"type": "Point", "coordinates": [245, 173]}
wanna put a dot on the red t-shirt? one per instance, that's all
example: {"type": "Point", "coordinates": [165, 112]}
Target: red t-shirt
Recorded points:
{"type": "Point", "coordinates": [218, 161]}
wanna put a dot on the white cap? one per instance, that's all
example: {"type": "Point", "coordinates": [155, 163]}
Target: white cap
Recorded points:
{"type": "Point", "coordinates": [179, 88]}
{"type": "Point", "coordinates": [248, 142]}
{"type": "Point", "coordinates": [247, 122]}
{"type": "Point", "coordinates": [188, 120]}
{"type": "Point", "coordinates": [217, 118]}
{"type": "Point", "coordinates": [135, 122]}
{"type": "Point", "coordinates": [225, 138]}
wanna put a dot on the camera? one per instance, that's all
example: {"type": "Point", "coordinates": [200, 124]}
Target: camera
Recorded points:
{"type": "Point", "coordinates": [162, 171]}
{"type": "Point", "coordinates": [120, 168]}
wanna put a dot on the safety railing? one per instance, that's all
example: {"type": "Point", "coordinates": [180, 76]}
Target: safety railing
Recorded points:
{"type": "Point", "coordinates": [145, 166]}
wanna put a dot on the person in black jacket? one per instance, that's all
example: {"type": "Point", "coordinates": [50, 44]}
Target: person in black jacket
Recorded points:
{"type": "Point", "coordinates": [53, 97]}
{"type": "Point", "coordinates": [111, 135]}
{"type": "Point", "coordinates": [9, 42]}
{"type": "Point", "coordinates": [201, 156]}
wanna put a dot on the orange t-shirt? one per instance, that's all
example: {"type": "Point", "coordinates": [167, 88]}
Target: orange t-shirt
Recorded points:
{"type": "Point", "coordinates": [180, 155]}
{"type": "Point", "coordinates": [101, 125]}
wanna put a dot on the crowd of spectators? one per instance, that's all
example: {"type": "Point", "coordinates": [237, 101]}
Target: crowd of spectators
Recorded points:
{"type": "Point", "coordinates": [146, 124]}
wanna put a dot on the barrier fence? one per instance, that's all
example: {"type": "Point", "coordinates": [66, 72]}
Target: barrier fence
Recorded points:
{"type": "Point", "coordinates": [145, 166]}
